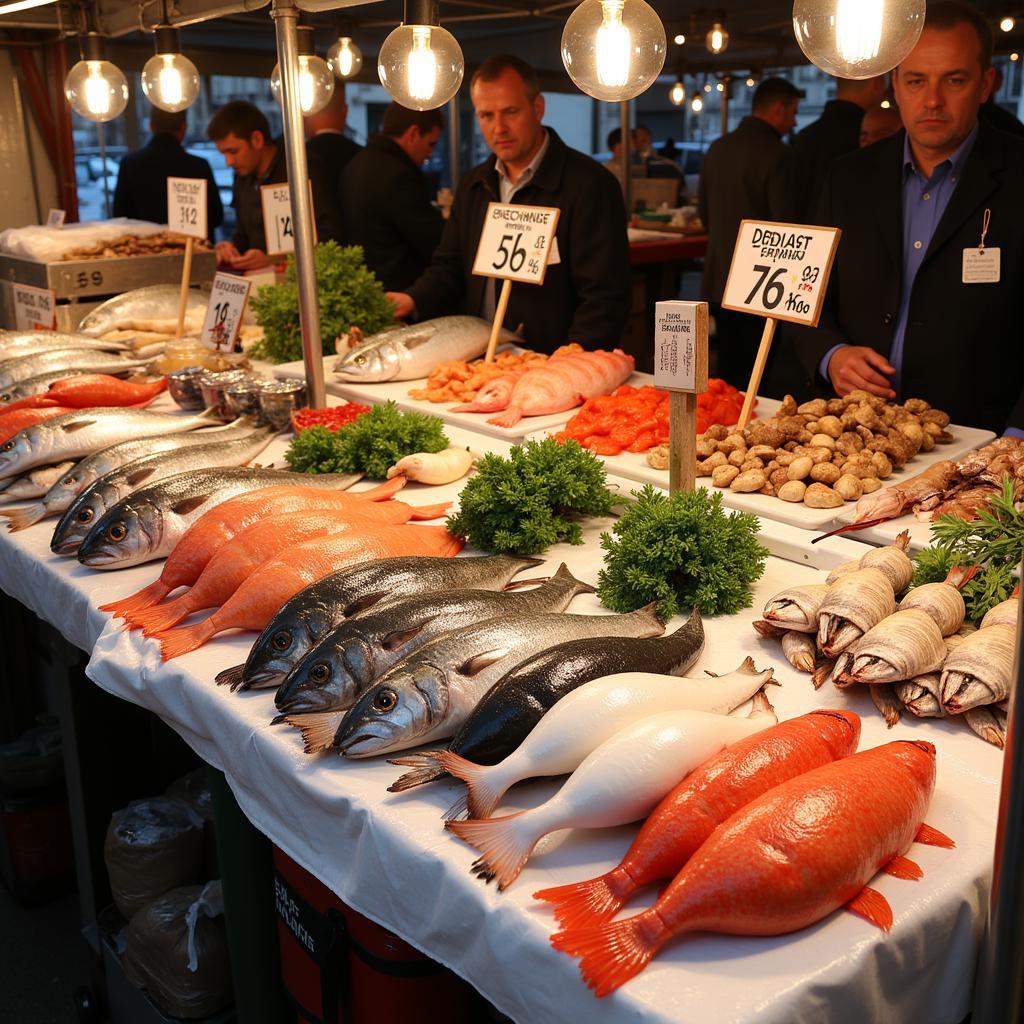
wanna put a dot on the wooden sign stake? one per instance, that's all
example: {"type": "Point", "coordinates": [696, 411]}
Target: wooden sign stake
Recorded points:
{"type": "Point", "coordinates": [757, 373]}
{"type": "Point", "coordinates": [186, 277]}
{"type": "Point", "coordinates": [499, 319]}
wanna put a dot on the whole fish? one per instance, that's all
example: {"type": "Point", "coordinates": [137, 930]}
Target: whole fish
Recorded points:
{"type": "Point", "coordinates": [903, 645]}
{"type": "Point", "coordinates": [14, 371]}
{"type": "Point", "coordinates": [42, 382]}
{"type": "Point", "coordinates": [428, 695]}
{"type": "Point", "coordinates": [893, 561]}
{"type": "Point", "coordinates": [1003, 614]}
{"type": "Point", "coordinates": [32, 484]}
{"type": "Point", "coordinates": [23, 343]}
{"type": "Point", "coordinates": [831, 829]}
{"type": "Point", "coordinates": [154, 302]}
{"type": "Point", "coordinates": [979, 670]}
{"type": "Point", "coordinates": [311, 614]}
{"type": "Point", "coordinates": [620, 781]}
{"type": "Point", "coordinates": [85, 431]}
{"type": "Point", "coordinates": [700, 803]}
{"type": "Point", "coordinates": [800, 650]}
{"type": "Point", "coordinates": [150, 521]}
{"type": "Point", "coordinates": [796, 608]}
{"type": "Point", "coordinates": [88, 390]}
{"type": "Point", "coordinates": [408, 353]}
{"type": "Point", "coordinates": [355, 653]}
{"type": "Point", "coordinates": [854, 603]}
{"type": "Point", "coordinates": [14, 422]}
{"type": "Point", "coordinates": [204, 452]}
{"type": "Point", "coordinates": [989, 722]}
{"type": "Point", "coordinates": [519, 700]}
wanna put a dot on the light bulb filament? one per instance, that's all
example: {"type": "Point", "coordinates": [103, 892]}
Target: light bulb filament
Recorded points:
{"type": "Point", "coordinates": [345, 59]}
{"type": "Point", "coordinates": [677, 94]}
{"type": "Point", "coordinates": [613, 45]}
{"type": "Point", "coordinates": [97, 90]}
{"type": "Point", "coordinates": [422, 65]}
{"type": "Point", "coordinates": [171, 86]}
{"type": "Point", "coordinates": [307, 86]}
{"type": "Point", "coordinates": [859, 29]}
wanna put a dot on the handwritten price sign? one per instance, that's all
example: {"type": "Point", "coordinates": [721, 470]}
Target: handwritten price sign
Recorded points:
{"type": "Point", "coordinates": [781, 271]}
{"type": "Point", "coordinates": [186, 206]}
{"type": "Point", "coordinates": [35, 309]}
{"type": "Point", "coordinates": [277, 218]}
{"type": "Point", "coordinates": [516, 242]}
{"type": "Point", "coordinates": [224, 313]}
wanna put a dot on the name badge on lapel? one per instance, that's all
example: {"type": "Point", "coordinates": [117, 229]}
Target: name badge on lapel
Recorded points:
{"type": "Point", "coordinates": [981, 265]}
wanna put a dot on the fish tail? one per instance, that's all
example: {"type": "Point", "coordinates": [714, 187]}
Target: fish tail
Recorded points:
{"type": "Point", "coordinates": [584, 904]}
{"type": "Point", "coordinates": [509, 417]}
{"type": "Point", "coordinates": [384, 491]}
{"type": "Point", "coordinates": [611, 954]}
{"type": "Point", "coordinates": [483, 783]}
{"type": "Point", "coordinates": [144, 598]}
{"type": "Point", "coordinates": [421, 512]}
{"type": "Point", "coordinates": [22, 518]}
{"type": "Point", "coordinates": [505, 845]}
{"type": "Point", "coordinates": [160, 618]}
{"type": "Point", "coordinates": [761, 704]}
{"type": "Point", "coordinates": [187, 638]}
{"type": "Point", "coordinates": [232, 677]}
{"type": "Point", "coordinates": [317, 729]}
{"type": "Point", "coordinates": [961, 575]}
{"type": "Point", "coordinates": [425, 768]}
{"type": "Point", "coordinates": [458, 810]}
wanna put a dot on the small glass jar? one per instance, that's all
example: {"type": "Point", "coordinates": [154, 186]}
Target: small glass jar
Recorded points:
{"type": "Point", "coordinates": [279, 399]}
{"type": "Point", "coordinates": [183, 386]}
{"type": "Point", "coordinates": [213, 386]}
{"type": "Point", "coordinates": [243, 398]}
{"type": "Point", "coordinates": [181, 354]}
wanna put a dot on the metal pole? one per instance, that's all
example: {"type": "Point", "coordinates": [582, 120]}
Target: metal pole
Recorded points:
{"type": "Point", "coordinates": [726, 91]}
{"type": "Point", "coordinates": [999, 991]}
{"type": "Point", "coordinates": [453, 139]}
{"type": "Point", "coordinates": [627, 183]}
{"type": "Point", "coordinates": [101, 135]}
{"type": "Point", "coordinates": [286, 16]}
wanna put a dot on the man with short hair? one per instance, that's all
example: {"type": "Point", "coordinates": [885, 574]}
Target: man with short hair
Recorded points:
{"type": "Point", "coordinates": [880, 122]}
{"type": "Point", "coordinates": [142, 177]}
{"type": "Point", "coordinates": [385, 201]}
{"type": "Point", "coordinates": [915, 308]}
{"type": "Point", "coordinates": [745, 176]}
{"type": "Point", "coordinates": [326, 139]}
{"type": "Point", "coordinates": [652, 164]}
{"type": "Point", "coordinates": [586, 294]}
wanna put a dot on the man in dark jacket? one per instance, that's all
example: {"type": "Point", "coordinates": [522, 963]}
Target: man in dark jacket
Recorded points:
{"type": "Point", "coordinates": [327, 142]}
{"type": "Point", "coordinates": [915, 307]}
{"type": "Point", "coordinates": [745, 176]}
{"type": "Point", "coordinates": [585, 297]}
{"type": "Point", "coordinates": [142, 177]}
{"type": "Point", "coordinates": [385, 200]}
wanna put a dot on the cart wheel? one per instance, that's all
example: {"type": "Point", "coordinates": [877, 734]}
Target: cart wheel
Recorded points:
{"type": "Point", "coordinates": [85, 1005]}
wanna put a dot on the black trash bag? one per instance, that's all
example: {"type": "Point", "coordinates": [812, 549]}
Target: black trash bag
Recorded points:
{"type": "Point", "coordinates": [177, 949]}
{"type": "Point", "coordinates": [152, 846]}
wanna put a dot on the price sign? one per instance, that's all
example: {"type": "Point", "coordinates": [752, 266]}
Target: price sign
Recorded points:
{"type": "Point", "coordinates": [680, 346]}
{"type": "Point", "coordinates": [781, 271]}
{"type": "Point", "coordinates": [55, 218]}
{"type": "Point", "coordinates": [35, 309]}
{"type": "Point", "coordinates": [186, 206]}
{"type": "Point", "coordinates": [277, 218]}
{"type": "Point", "coordinates": [516, 242]}
{"type": "Point", "coordinates": [224, 313]}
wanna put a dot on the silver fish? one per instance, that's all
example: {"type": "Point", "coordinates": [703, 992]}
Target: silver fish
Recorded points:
{"type": "Point", "coordinates": [82, 508]}
{"type": "Point", "coordinates": [13, 371]}
{"type": "Point", "coordinates": [428, 695]}
{"type": "Point", "coordinates": [349, 658]}
{"type": "Point", "coordinates": [311, 614]}
{"type": "Point", "coordinates": [74, 435]}
{"type": "Point", "coordinates": [26, 343]}
{"type": "Point", "coordinates": [989, 722]}
{"type": "Point", "coordinates": [33, 483]}
{"type": "Point", "coordinates": [408, 353]}
{"type": "Point", "coordinates": [155, 301]}
{"type": "Point", "coordinates": [150, 521]}
{"type": "Point", "coordinates": [920, 695]}
{"type": "Point", "coordinates": [980, 670]}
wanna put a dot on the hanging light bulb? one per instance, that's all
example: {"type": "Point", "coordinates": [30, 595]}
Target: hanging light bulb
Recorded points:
{"type": "Point", "coordinates": [857, 38]}
{"type": "Point", "coordinates": [421, 64]}
{"type": "Point", "coordinates": [720, 87]}
{"type": "Point", "coordinates": [707, 87]}
{"type": "Point", "coordinates": [1015, 57]}
{"type": "Point", "coordinates": [717, 38]}
{"type": "Point", "coordinates": [345, 58]}
{"type": "Point", "coordinates": [677, 94]}
{"type": "Point", "coordinates": [679, 40]}
{"type": "Point", "coordinates": [750, 83]}
{"type": "Point", "coordinates": [613, 49]}
{"type": "Point", "coordinates": [1007, 24]}
{"type": "Point", "coordinates": [697, 105]}
{"type": "Point", "coordinates": [169, 79]}
{"type": "Point", "coordinates": [316, 80]}
{"type": "Point", "coordinates": [94, 87]}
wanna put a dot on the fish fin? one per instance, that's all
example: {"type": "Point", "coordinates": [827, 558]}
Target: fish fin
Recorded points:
{"type": "Point", "coordinates": [508, 417]}
{"type": "Point", "coordinates": [761, 705]}
{"type": "Point", "coordinates": [960, 575]}
{"type": "Point", "coordinates": [902, 867]}
{"type": "Point", "coordinates": [384, 491]}
{"type": "Point", "coordinates": [902, 541]}
{"type": "Point", "coordinates": [610, 954]}
{"type": "Point", "coordinates": [22, 518]}
{"type": "Point", "coordinates": [186, 505]}
{"type": "Point", "coordinates": [186, 638]}
{"type": "Point", "coordinates": [360, 604]}
{"type": "Point", "coordinates": [140, 476]}
{"type": "Point", "coordinates": [483, 794]}
{"type": "Point", "coordinates": [582, 904]}
{"type": "Point", "coordinates": [279, 720]}
{"type": "Point", "coordinates": [144, 598]}
{"type": "Point", "coordinates": [505, 845]}
{"type": "Point", "coordinates": [929, 836]}
{"type": "Point", "coordinates": [231, 676]}
{"type": "Point", "coordinates": [161, 617]}
{"type": "Point", "coordinates": [873, 907]}
{"type": "Point", "coordinates": [479, 662]}
{"type": "Point", "coordinates": [519, 584]}
{"type": "Point", "coordinates": [318, 729]}
{"type": "Point", "coordinates": [76, 425]}
{"type": "Point", "coordinates": [821, 674]}
{"type": "Point", "coordinates": [424, 512]}
{"type": "Point", "coordinates": [400, 637]}
{"type": "Point", "coordinates": [425, 769]}
{"type": "Point", "coordinates": [458, 810]}
{"type": "Point", "coordinates": [580, 587]}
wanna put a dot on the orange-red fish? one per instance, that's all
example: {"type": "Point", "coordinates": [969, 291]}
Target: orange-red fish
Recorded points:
{"type": "Point", "coordinates": [14, 422]}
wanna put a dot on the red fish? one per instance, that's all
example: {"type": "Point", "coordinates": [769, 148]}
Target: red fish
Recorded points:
{"type": "Point", "coordinates": [700, 803]}
{"type": "Point", "coordinates": [783, 862]}
{"type": "Point", "coordinates": [12, 423]}
{"type": "Point", "coordinates": [86, 390]}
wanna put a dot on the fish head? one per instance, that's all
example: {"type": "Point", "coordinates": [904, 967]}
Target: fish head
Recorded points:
{"type": "Point", "coordinates": [369, 363]}
{"type": "Point", "coordinates": [393, 713]}
{"type": "Point", "coordinates": [286, 640]}
{"type": "Point", "coordinates": [77, 522]}
{"type": "Point", "coordinates": [13, 452]}
{"type": "Point", "coordinates": [839, 729]}
{"type": "Point", "coordinates": [123, 536]}
{"type": "Point", "coordinates": [321, 681]}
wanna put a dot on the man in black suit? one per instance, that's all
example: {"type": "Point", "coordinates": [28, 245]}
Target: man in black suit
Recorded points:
{"type": "Point", "coordinates": [915, 307]}
{"type": "Point", "coordinates": [142, 177]}
{"type": "Point", "coordinates": [327, 142]}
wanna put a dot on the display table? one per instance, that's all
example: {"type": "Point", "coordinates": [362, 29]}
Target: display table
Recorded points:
{"type": "Point", "coordinates": [389, 858]}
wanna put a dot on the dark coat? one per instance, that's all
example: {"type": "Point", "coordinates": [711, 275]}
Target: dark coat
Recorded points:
{"type": "Point", "coordinates": [991, 113]}
{"type": "Point", "coordinates": [386, 208]}
{"type": "Point", "coordinates": [963, 348]}
{"type": "Point", "coordinates": [334, 151]}
{"type": "Point", "coordinates": [745, 176]}
{"type": "Point", "coordinates": [834, 134]}
{"type": "Point", "coordinates": [142, 181]}
{"type": "Point", "coordinates": [585, 297]}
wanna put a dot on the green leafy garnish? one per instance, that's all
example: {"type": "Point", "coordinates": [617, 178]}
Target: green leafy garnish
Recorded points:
{"type": "Point", "coordinates": [350, 296]}
{"type": "Point", "coordinates": [681, 551]}
{"type": "Point", "coordinates": [372, 444]}
{"type": "Point", "coordinates": [533, 499]}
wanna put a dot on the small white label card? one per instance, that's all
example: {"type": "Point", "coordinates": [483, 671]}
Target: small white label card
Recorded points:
{"type": "Point", "coordinates": [517, 242]}
{"type": "Point", "coordinates": [982, 266]}
{"type": "Point", "coordinates": [55, 218]}
{"type": "Point", "coordinates": [680, 354]}
{"type": "Point", "coordinates": [35, 309]}
{"type": "Point", "coordinates": [226, 309]}
{"type": "Point", "coordinates": [186, 206]}
{"type": "Point", "coordinates": [277, 218]}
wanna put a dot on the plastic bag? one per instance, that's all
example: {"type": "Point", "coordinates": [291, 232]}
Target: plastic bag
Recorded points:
{"type": "Point", "coordinates": [152, 846]}
{"type": "Point", "coordinates": [194, 789]}
{"type": "Point", "coordinates": [177, 950]}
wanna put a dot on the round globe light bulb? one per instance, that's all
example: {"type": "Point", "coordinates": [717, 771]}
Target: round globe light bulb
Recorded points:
{"type": "Point", "coordinates": [1007, 24]}
{"type": "Point", "coordinates": [677, 94]}
{"type": "Point", "coordinates": [680, 40]}
{"type": "Point", "coordinates": [857, 38]}
{"type": "Point", "coordinates": [750, 83]}
{"type": "Point", "coordinates": [614, 49]}
{"type": "Point", "coordinates": [720, 87]}
{"type": "Point", "coordinates": [697, 105]}
{"type": "Point", "coordinates": [96, 89]}
{"type": "Point", "coordinates": [1014, 57]}
{"type": "Point", "coordinates": [421, 66]}
{"type": "Point", "coordinates": [316, 83]}
{"type": "Point", "coordinates": [707, 87]}
{"type": "Point", "coordinates": [170, 81]}
{"type": "Point", "coordinates": [345, 58]}
{"type": "Point", "coordinates": [717, 39]}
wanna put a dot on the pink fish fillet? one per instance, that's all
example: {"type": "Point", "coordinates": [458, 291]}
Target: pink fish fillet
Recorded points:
{"type": "Point", "coordinates": [493, 396]}
{"type": "Point", "coordinates": [563, 382]}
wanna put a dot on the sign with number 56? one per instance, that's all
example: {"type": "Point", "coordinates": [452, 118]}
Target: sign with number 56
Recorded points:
{"type": "Point", "coordinates": [516, 242]}
{"type": "Point", "coordinates": [781, 270]}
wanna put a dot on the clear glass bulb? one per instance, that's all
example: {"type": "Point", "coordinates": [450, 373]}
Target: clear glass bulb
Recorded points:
{"type": "Point", "coordinates": [677, 94]}
{"type": "Point", "coordinates": [679, 40]}
{"type": "Point", "coordinates": [345, 58]}
{"type": "Point", "coordinates": [170, 81]}
{"type": "Point", "coordinates": [697, 105]}
{"type": "Point", "coordinates": [857, 38]}
{"type": "Point", "coordinates": [96, 89]}
{"type": "Point", "coordinates": [717, 38]}
{"type": "Point", "coordinates": [1007, 24]}
{"type": "Point", "coordinates": [316, 83]}
{"type": "Point", "coordinates": [421, 66]}
{"type": "Point", "coordinates": [613, 49]}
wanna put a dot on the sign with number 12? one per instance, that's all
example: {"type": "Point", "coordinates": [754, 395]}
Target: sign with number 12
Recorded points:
{"type": "Point", "coordinates": [186, 206]}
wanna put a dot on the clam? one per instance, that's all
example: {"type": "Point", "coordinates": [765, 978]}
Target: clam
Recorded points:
{"type": "Point", "coordinates": [796, 608]}
{"type": "Point", "coordinates": [902, 646]}
{"type": "Point", "coordinates": [853, 604]}
{"type": "Point", "coordinates": [980, 670]}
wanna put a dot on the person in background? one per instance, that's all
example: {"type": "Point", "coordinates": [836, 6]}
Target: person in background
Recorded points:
{"type": "Point", "coordinates": [326, 139]}
{"type": "Point", "coordinates": [614, 144]}
{"type": "Point", "coordinates": [905, 315]}
{"type": "Point", "coordinates": [745, 175]}
{"type": "Point", "coordinates": [385, 202]}
{"type": "Point", "coordinates": [654, 165]}
{"type": "Point", "coordinates": [586, 293]}
{"type": "Point", "coordinates": [142, 177]}
{"type": "Point", "coordinates": [995, 115]}
{"type": "Point", "coordinates": [879, 123]}
{"type": "Point", "coordinates": [834, 134]}
{"type": "Point", "coordinates": [242, 134]}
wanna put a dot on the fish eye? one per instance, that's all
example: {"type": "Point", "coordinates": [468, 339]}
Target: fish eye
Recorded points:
{"type": "Point", "coordinates": [69, 480]}
{"type": "Point", "coordinates": [385, 701]}
{"type": "Point", "coordinates": [85, 516]}
{"type": "Point", "coordinates": [117, 532]}
{"type": "Point", "coordinates": [7, 447]}
{"type": "Point", "coordinates": [360, 360]}
{"type": "Point", "coordinates": [281, 641]}
{"type": "Point", "coordinates": [320, 672]}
